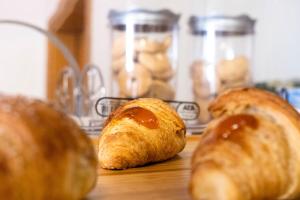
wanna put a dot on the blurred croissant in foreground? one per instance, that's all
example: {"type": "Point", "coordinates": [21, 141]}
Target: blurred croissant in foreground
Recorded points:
{"type": "Point", "coordinates": [43, 153]}
{"type": "Point", "coordinates": [250, 151]}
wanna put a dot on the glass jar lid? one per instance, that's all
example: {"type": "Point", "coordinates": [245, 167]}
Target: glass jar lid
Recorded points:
{"type": "Point", "coordinates": [143, 17]}
{"type": "Point", "coordinates": [222, 25]}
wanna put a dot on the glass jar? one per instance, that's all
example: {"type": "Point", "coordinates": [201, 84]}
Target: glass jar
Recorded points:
{"type": "Point", "coordinates": [144, 53]}
{"type": "Point", "coordinates": [222, 56]}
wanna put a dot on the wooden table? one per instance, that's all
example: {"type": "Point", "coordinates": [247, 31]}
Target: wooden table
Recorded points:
{"type": "Point", "coordinates": [165, 180]}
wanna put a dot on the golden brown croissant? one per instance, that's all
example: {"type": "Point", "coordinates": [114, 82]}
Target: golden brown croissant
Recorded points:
{"type": "Point", "coordinates": [251, 151]}
{"type": "Point", "coordinates": [140, 132]}
{"type": "Point", "coordinates": [43, 153]}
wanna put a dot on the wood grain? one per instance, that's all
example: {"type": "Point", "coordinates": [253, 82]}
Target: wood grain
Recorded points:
{"type": "Point", "coordinates": [71, 23]}
{"type": "Point", "coordinates": [67, 16]}
{"type": "Point", "coordinates": [165, 180]}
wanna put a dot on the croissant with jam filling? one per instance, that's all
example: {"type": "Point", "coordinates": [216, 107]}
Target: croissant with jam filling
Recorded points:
{"type": "Point", "coordinates": [250, 150]}
{"type": "Point", "coordinates": [139, 132]}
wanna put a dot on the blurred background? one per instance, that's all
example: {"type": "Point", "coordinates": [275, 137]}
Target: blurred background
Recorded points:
{"type": "Point", "coordinates": [30, 64]}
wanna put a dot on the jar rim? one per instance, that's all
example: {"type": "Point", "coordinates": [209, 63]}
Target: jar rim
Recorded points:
{"type": "Point", "coordinates": [222, 24]}
{"type": "Point", "coordinates": [143, 17]}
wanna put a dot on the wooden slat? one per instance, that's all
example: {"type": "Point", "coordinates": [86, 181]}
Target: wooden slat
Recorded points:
{"type": "Point", "coordinates": [84, 43]}
{"type": "Point", "coordinates": [165, 180]}
{"type": "Point", "coordinates": [67, 17]}
{"type": "Point", "coordinates": [71, 23]}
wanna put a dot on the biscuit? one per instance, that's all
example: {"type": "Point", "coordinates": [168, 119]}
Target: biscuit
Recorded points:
{"type": "Point", "coordinates": [202, 87]}
{"type": "Point", "coordinates": [151, 62]}
{"type": "Point", "coordinates": [117, 64]}
{"type": "Point", "coordinates": [202, 91]}
{"type": "Point", "coordinates": [118, 46]}
{"type": "Point", "coordinates": [134, 83]}
{"type": "Point", "coordinates": [196, 70]}
{"type": "Point", "coordinates": [233, 70]}
{"type": "Point", "coordinates": [205, 89]}
{"type": "Point", "coordinates": [156, 63]}
{"type": "Point", "coordinates": [204, 115]}
{"type": "Point", "coordinates": [227, 85]}
{"type": "Point", "coordinates": [164, 76]}
{"type": "Point", "coordinates": [148, 45]}
{"type": "Point", "coordinates": [161, 90]}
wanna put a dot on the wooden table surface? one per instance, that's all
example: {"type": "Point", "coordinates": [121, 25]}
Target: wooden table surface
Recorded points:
{"type": "Point", "coordinates": [165, 180]}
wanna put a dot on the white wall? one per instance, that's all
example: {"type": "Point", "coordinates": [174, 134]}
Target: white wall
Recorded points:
{"type": "Point", "coordinates": [277, 36]}
{"type": "Point", "coordinates": [23, 52]}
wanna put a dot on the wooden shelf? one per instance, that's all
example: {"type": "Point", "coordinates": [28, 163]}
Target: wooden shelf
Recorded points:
{"type": "Point", "coordinates": [167, 180]}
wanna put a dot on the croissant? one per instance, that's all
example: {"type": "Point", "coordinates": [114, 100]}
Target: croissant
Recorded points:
{"type": "Point", "coordinates": [141, 131]}
{"type": "Point", "coordinates": [43, 153]}
{"type": "Point", "coordinates": [250, 150]}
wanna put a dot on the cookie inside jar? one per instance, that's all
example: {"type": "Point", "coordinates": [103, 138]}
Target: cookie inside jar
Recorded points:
{"type": "Point", "coordinates": [233, 72]}
{"type": "Point", "coordinates": [210, 79]}
{"type": "Point", "coordinates": [204, 86]}
{"type": "Point", "coordinates": [144, 53]}
{"type": "Point", "coordinates": [221, 57]}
